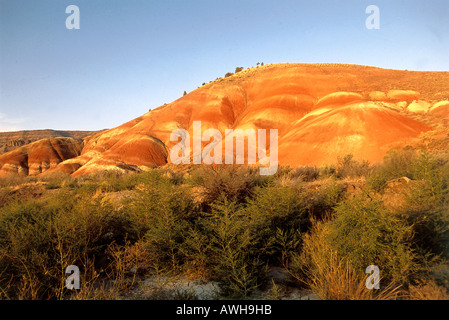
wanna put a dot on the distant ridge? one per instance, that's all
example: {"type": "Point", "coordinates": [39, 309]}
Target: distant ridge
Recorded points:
{"type": "Point", "coordinates": [12, 140]}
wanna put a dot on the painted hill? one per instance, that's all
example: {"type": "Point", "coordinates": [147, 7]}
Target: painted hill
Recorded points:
{"type": "Point", "coordinates": [12, 140]}
{"type": "Point", "coordinates": [321, 111]}
{"type": "Point", "coordinates": [37, 157]}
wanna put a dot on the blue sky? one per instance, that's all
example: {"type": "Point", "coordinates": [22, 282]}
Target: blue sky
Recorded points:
{"type": "Point", "coordinates": [132, 55]}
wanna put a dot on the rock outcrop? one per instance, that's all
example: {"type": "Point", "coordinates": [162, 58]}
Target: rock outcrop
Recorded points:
{"type": "Point", "coordinates": [15, 139]}
{"type": "Point", "coordinates": [401, 95]}
{"type": "Point", "coordinates": [37, 157]}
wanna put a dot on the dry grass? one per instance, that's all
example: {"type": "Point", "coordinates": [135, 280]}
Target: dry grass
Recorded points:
{"type": "Point", "coordinates": [337, 280]}
{"type": "Point", "coordinates": [332, 277]}
{"type": "Point", "coordinates": [428, 290]}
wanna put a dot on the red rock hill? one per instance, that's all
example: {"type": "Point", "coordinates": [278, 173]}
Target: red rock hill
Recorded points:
{"type": "Point", "coordinates": [321, 111]}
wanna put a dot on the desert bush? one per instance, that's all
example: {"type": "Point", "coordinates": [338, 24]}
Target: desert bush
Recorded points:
{"type": "Point", "coordinates": [277, 214]}
{"type": "Point", "coordinates": [161, 212]}
{"type": "Point", "coordinates": [237, 183]}
{"type": "Point", "coordinates": [330, 275]}
{"type": "Point", "coordinates": [428, 203]}
{"type": "Point", "coordinates": [41, 238]}
{"type": "Point", "coordinates": [428, 290]}
{"type": "Point", "coordinates": [285, 176]}
{"type": "Point", "coordinates": [16, 180]}
{"type": "Point", "coordinates": [329, 195]}
{"type": "Point", "coordinates": [196, 250]}
{"type": "Point", "coordinates": [365, 233]}
{"type": "Point", "coordinates": [126, 262]}
{"type": "Point", "coordinates": [114, 181]}
{"type": "Point", "coordinates": [377, 180]}
{"type": "Point", "coordinates": [348, 167]}
{"type": "Point", "coordinates": [396, 164]}
{"type": "Point", "coordinates": [175, 177]}
{"type": "Point", "coordinates": [399, 163]}
{"type": "Point", "coordinates": [231, 261]}
{"type": "Point", "coordinates": [56, 180]}
{"type": "Point", "coordinates": [308, 173]}
{"type": "Point", "coordinates": [4, 195]}
{"type": "Point", "coordinates": [283, 171]}
{"type": "Point", "coordinates": [327, 171]}
{"type": "Point", "coordinates": [288, 176]}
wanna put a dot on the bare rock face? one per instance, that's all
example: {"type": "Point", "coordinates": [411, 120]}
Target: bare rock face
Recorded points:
{"type": "Point", "coordinates": [39, 156]}
{"type": "Point", "coordinates": [363, 129]}
{"type": "Point", "coordinates": [401, 95]}
{"type": "Point", "coordinates": [338, 98]}
{"type": "Point", "coordinates": [419, 106]}
{"type": "Point", "coordinates": [321, 112]}
{"type": "Point", "coordinates": [378, 96]}
{"type": "Point", "coordinates": [440, 108]}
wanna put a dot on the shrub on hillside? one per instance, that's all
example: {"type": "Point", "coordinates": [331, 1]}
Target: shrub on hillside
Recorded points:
{"type": "Point", "coordinates": [320, 268]}
{"type": "Point", "coordinates": [428, 203]}
{"type": "Point", "coordinates": [348, 167]}
{"type": "Point", "coordinates": [161, 211]}
{"type": "Point", "coordinates": [278, 216]}
{"type": "Point", "coordinates": [237, 183]}
{"type": "Point", "coordinates": [365, 233]}
{"type": "Point", "coordinates": [39, 239]}
{"type": "Point", "coordinates": [233, 263]}
{"type": "Point", "coordinates": [396, 164]}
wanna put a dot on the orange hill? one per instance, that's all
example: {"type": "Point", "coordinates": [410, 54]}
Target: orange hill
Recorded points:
{"type": "Point", "coordinates": [321, 111]}
{"type": "Point", "coordinates": [40, 156]}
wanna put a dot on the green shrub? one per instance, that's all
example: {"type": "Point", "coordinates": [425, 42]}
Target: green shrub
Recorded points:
{"type": "Point", "coordinates": [399, 163]}
{"type": "Point", "coordinates": [162, 212]}
{"type": "Point", "coordinates": [348, 167]}
{"type": "Point", "coordinates": [56, 180]}
{"type": "Point", "coordinates": [330, 195]}
{"type": "Point", "coordinates": [396, 164]}
{"type": "Point", "coordinates": [237, 183]}
{"type": "Point", "coordinates": [428, 203]}
{"type": "Point", "coordinates": [327, 171]}
{"type": "Point", "coordinates": [16, 180]}
{"type": "Point", "coordinates": [377, 180]}
{"type": "Point", "coordinates": [365, 233]}
{"type": "Point", "coordinates": [321, 269]}
{"type": "Point", "coordinates": [307, 174]}
{"type": "Point", "coordinates": [276, 212]}
{"type": "Point", "coordinates": [39, 239]}
{"type": "Point", "coordinates": [232, 262]}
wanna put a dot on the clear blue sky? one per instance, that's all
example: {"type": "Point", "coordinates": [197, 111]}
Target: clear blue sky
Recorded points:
{"type": "Point", "coordinates": [132, 55]}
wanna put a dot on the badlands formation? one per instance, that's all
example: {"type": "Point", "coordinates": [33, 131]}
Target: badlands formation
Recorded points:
{"type": "Point", "coordinates": [13, 140]}
{"type": "Point", "coordinates": [321, 111]}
